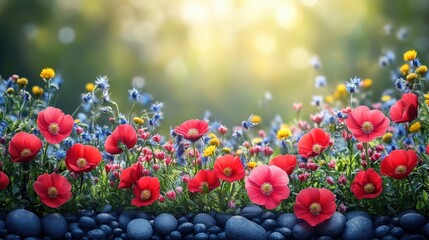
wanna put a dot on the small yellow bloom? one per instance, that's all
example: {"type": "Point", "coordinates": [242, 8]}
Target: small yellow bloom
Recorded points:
{"type": "Point", "coordinates": [37, 91]}
{"type": "Point", "coordinates": [415, 127]}
{"type": "Point", "coordinates": [366, 83]}
{"type": "Point", "coordinates": [238, 152]}
{"type": "Point", "coordinates": [208, 151]}
{"type": "Point", "coordinates": [47, 73]}
{"type": "Point", "coordinates": [256, 140]}
{"type": "Point", "coordinates": [387, 137]}
{"type": "Point", "coordinates": [9, 90]}
{"type": "Point", "coordinates": [252, 165]}
{"type": "Point", "coordinates": [385, 98]}
{"type": "Point", "coordinates": [226, 150]}
{"type": "Point", "coordinates": [77, 121]}
{"type": "Point", "coordinates": [214, 141]}
{"type": "Point", "coordinates": [256, 119]}
{"type": "Point", "coordinates": [138, 120]}
{"type": "Point", "coordinates": [89, 87]}
{"type": "Point", "coordinates": [342, 89]}
{"type": "Point", "coordinates": [410, 55]}
{"type": "Point", "coordinates": [427, 102]}
{"type": "Point", "coordinates": [422, 70]}
{"type": "Point", "coordinates": [283, 133]}
{"type": "Point", "coordinates": [404, 69]}
{"type": "Point", "coordinates": [22, 82]}
{"type": "Point", "coordinates": [329, 99]}
{"type": "Point", "coordinates": [411, 77]}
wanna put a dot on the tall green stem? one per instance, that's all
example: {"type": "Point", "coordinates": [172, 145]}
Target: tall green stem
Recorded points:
{"type": "Point", "coordinates": [195, 158]}
{"type": "Point", "coordinates": [366, 154]}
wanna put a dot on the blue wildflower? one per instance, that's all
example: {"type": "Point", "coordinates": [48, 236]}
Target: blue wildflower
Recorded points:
{"type": "Point", "coordinates": [317, 101]}
{"type": "Point", "coordinates": [102, 83]}
{"type": "Point", "coordinates": [157, 107]}
{"type": "Point", "coordinates": [133, 94]}
{"type": "Point", "coordinates": [320, 81]}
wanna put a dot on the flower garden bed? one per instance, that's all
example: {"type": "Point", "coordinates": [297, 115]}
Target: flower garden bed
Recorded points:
{"type": "Point", "coordinates": [354, 170]}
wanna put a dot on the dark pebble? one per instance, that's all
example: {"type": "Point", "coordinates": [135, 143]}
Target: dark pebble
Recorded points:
{"type": "Point", "coordinates": [97, 234]}
{"type": "Point", "coordinates": [382, 220]}
{"type": "Point", "coordinates": [113, 224]}
{"type": "Point", "coordinates": [54, 225]}
{"type": "Point", "coordinates": [182, 220]}
{"type": "Point", "coordinates": [104, 218]}
{"type": "Point", "coordinates": [353, 214]}
{"type": "Point", "coordinates": [205, 219]}
{"type": "Point", "coordinates": [268, 215]}
{"type": "Point", "coordinates": [325, 238]}
{"type": "Point", "coordinates": [87, 223]}
{"type": "Point", "coordinates": [86, 213]}
{"type": "Point", "coordinates": [71, 218]}
{"type": "Point", "coordinates": [185, 228]}
{"type": "Point", "coordinates": [276, 236]}
{"type": "Point", "coordinates": [13, 237]}
{"type": "Point", "coordinates": [257, 220]}
{"type": "Point", "coordinates": [3, 232]}
{"type": "Point", "coordinates": [23, 223]}
{"type": "Point", "coordinates": [284, 231]}
{"type": "Point", "coordinates": [200, 228]}
{"type": "Point", "coordinates": [175, 235]}
{"type": "Point", "coordinates": [358, 228]}
{"type": "Point", "coordinates": [214, 230]}
{"type": "Point", "coordinates": [68, 236]}
{"type": "Point", "coordinates": [106, 229]}
{"type": "Point", "coordinates": [221, 219]}
{"type": "Point", "coordinates": [412, 221]}
{"type": "Point", "coordinates": [333, 226]}
{"type": "Point", "coordinates": [397, 231]}
{"type": "Point", "coordinates": [106, 209]}
{"type": "Point", "coordinates": [221, 236]}
{"type": "Point", "coordinates": [201, 236]}
{"type": "Point", "coordinates": [2, 224]}
{"type": "Point", "coordinates": [213, 236]}
{"type": "Point", "coordinates": [190, 216]}
{"type": "Point", "coordinates": [117, 232]}
{"type": "Point", "coordinates": [141, 214]}
{"type": "Point", "coordinates": [165, 223]}
{"type": "Point", "coordinates": [303, 231]}
{"type": "Point", "coordinates": [269, 224]}
{"type": "Point", "coordinates": [125, 217]}
{"type": "Point", "coordinates": [72, 226]}
{"type": "Point", "coordinates": [189, 237]}
{"type": "Point", "coordinates": [240, 228]}
{"type": "Point", "coordinates": [395, 222]}
{"type": "Point", "coordinates": [389, 237]}
{"type": "Point", "coordinates": [425, 230]}
{"type": "Point", "coordinates": [139, 229]}
{"type": "Point", "coordinates": [77, 233]}
{"type": "Point", "coordinates": [288, 220]}
{"type": "Point", "coordinates": [251, 211]}
{"type": "Point", "coordinates": [382, 231]}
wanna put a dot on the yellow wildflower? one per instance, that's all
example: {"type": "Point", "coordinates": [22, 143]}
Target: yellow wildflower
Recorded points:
{"type": "Point", "coordinates": [89, 87]}
{"type": "Point", "coordinates": [252, 165]}
{"type": "Point", "coordinates": [385, 98]}
{"type": "Point", "coordinates": [77, 121]}
{"type": "Point", "coordinates": [342, 89]}
{"type": "Point", "coordinates": [37, 91]}
{"type": "Point", "coordinates": [422, 70]}
{"type": "Point", "coordinates": [214, 141]}
{"type": "Point", "coordinates": [387, 137]}
{"type": "Point", "coordinates": [411, 77]}
{"type": "Point", "coordinates": [256, 119]}
{"type": "Point", "coordinates": [9, 90]}
{"type": "Point", "coordinates": [138, 120]}
{"type": "Point", "coordinates": [404, 69]}
{"type": "Point", "coordinates": [256, 140]}
{"type": "Point", "coordinates": [226, 150]}
{"type": "Point", "coordinates": [47, 73]}
{"type": "Point", "coordinates": [208, 151]}
{"type": "Point", "coordinates": [283, 133]}
{"type": "Point", "coordinates": [238, 152]}
{"type": "Point", "coordinates": [329, 99]}
{"type": "Point", "coordinates": [415, 127]}
{"type": "Point", "coordinates": [22, 82]}
{"type": "Point", "coordinates": [366, 83]}
{"type": "Point", "coordinates": [427, 102]}
{"type": "Point", "coordinates": [410, 55]}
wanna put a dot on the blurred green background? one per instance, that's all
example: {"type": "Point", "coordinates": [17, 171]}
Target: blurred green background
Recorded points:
{"type": "Point", "coordinates": [231, 57]}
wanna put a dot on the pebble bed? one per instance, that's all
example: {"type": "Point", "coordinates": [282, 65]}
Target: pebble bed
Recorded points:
{"type": "Point", "coordinates": [250, 223]}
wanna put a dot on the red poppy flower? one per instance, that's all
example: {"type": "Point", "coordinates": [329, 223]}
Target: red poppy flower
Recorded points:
{"type": "Point", "coordinates": [146, 191]}
{"type": "Point", "coordinates": [54, 124]}
{"type": "Point", "coordinates": [367, 125]}
{"type": "Point", "coordinates": [24, 147]}
{"type": "Point", "coordinates": [203, 182]}
{"type": "Point", "coordinates": [4, 180]}
{"type": "Point", "coordinates": [399, 163]}
{"type": "Point", "coordinates": [53, 189]}
{"type": "Point", "coordinates": [123, 135]}
{"type": "Point", "coordinates": [313, 143]}
{"type": "Point", "coordinates": [229, 168]}
{"type": "Point", "coordinates": [367, 184]}
{"type": "Point", "coordinates": [267, 186]}
{"type": "Point", "coordinates": [405, 109]}
{"type": "Point", "coordinates": [286, 162]}
{"type": "Point", "coordinates": [130, 176]}
{"type": "Point", "coordinates": [314, 205]}
{"type": "Point", "coordinates": [82, 158]}
{"type": "Point", "coordinates": [192, 130]}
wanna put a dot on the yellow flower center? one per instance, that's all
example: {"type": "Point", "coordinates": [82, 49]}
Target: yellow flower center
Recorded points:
{"type": "Point", "coordinates": [227, 171]}
{"type": "Point", "coordinates": [316, 148]}
{"type": "Point", "coordinates": [266, 188]}
{"type": "Point", "coordinates": [369, 188]}
{"type": "Point", "coordinates": [315, 208]}
{"type": "Point", "coordinates": [367, 127]}
{"type": "Point", "coordinates": [400, 169]}
{"type": "Point", "coordinates": [52, 192]}
{"type": "Point", "coordinates": [193, 131]}
{"type": "Point", "coordinates": [54, 128]}
{"type": "Point", "coordinates": [25, 152]}
{"type": "Point", "coordinates": [81, 162]}
{"type": "Point", "coordinates": [145, 195]}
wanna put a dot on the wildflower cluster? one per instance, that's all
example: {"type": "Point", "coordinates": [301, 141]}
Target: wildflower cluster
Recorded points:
{"type": "Point", "coordinates": [347, 155]}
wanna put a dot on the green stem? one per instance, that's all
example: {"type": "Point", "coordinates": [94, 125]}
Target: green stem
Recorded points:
{"type": "Point", "coordinates": [195, 158]}
{"type": "Point", "coordinates": [131, 111]}
{"type": "Point", "coordinates": [45, 155]}
{"type": "Point", "coordinates": [48, 89]}
{"type": "Point", "coordinates": [366, 155]}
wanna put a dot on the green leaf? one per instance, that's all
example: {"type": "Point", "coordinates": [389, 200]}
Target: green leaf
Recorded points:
{"type": "Point", "coordinates": [425, 196]}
